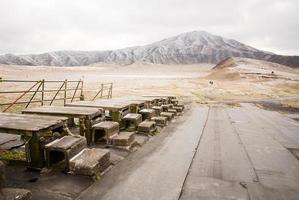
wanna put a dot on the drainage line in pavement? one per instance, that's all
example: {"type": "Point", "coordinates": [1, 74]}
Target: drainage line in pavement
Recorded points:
{"type": "Point", "coordinates": [196, 149]}
{"type": "Point", "coordinates": [241, 142]}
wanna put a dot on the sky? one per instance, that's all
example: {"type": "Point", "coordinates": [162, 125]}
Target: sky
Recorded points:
{"type": "Point", "coordinates": [37, 26]}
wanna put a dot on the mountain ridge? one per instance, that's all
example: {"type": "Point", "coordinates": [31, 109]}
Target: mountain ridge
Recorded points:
{"type": "Point", "coordinates": [186, 48]}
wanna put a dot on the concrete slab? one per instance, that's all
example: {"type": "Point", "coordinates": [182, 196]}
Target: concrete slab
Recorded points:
{"type": "Point", "coordinates": [8, 141]}
{"type": "Point", "coordinates": [155, 171]}
{"type": "Point", "coordinates": [65, 111]}
{"type": "Point", "coordinates": [19, 122]}
{"type": "Point", "coordinates": [265, 142]}
{"type": "Point", "coordinates": [206, 188]}
{"type": "Point", "coordinates": [220, 154]}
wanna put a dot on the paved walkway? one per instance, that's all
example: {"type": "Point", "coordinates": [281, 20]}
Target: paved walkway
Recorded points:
{"type": "Point", "coordinates": [216, 153]}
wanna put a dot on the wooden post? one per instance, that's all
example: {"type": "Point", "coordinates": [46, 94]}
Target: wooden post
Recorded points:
{"type": "Point", "coordinates": [36, 153]}
{"type": "Point", "coordinates": [102, 88]}
{"type": "Point", "coordinates": [77, 87]}
{"type": "Point", "coordinates": [43, 91]}
{"type": "Point", "coordinates": [111, 88]}
{"type": "Point", "coordinates": [88, 126]}
{"type": "Point", "coordinates": [65, 92]}
{"type": "Point", "coordinates": [81, 95]}
{"type": "Point", "coordinates": [35, 92]}
{"type": "Point", "coordinates": [57, 93]}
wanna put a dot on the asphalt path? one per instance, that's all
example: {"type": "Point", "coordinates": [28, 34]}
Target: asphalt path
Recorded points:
{"type": "Point", "coordinates": [210, 153]}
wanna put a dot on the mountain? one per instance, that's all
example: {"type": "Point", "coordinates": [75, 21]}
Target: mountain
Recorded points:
{"type": "Point", "coordinates": [187, 48]}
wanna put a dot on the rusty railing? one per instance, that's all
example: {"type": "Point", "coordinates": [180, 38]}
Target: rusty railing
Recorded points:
{"type": "Point", "coordinates": [105, 91]}
{"type": "Point", "coordinates": [41, 92]}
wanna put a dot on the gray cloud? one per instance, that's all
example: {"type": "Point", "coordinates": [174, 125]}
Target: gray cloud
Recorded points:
{"type": "Point", "coordinates": [33, 26]}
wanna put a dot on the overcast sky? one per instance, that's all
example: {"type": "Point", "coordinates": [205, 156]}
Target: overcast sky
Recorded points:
{"type": "Point", "coordinates": [35, 26]}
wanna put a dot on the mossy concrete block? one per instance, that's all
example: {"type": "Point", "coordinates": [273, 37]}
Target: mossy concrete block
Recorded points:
{"type": "Point", "coordinates": [174, 111]}
{"type": "Point", "coordinates": [160, 121]}
{"type": "Point", "coordinates": [147, 128]}
{"type": "Point", "coordinates": [131, 121]}
{"type": "Point", "coordinates": [109, 129]}
{"type": "Point", "coordinates": [68, 146]}
{"type": "Point", "coordinates": [178, 109]}
{"type": "Point", "coordinates": [158, 109]}
{"type": "Point", "coordinates": [124, 139]}
{"type": "Point", "coordinates": [147, 113]}
{"type": "Point", "coordinates": [169, 115]}
{"type": "Point", "coordinates": [90, 162]}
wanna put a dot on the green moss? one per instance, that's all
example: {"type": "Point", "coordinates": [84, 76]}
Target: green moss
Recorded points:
{"type": "Point", "coordinates": [13, 155]}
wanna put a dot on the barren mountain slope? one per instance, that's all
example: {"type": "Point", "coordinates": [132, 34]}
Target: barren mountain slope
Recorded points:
{"type": "Point", "coordinates": [236, 68]}
{"type": "Point", "coordinates": [187, 48]}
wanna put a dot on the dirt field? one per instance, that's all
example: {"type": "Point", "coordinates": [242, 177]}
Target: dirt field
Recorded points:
{"type": "Point", "coordinates": [244, 79]}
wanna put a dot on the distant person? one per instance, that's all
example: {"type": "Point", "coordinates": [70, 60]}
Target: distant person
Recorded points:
{"type": "Point", "coordinates": [211, 82]}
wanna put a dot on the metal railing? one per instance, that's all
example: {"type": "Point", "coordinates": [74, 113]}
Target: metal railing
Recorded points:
{"type": "Point", "coordinates": [104, 92]}
{"type": "Point", "coordinates": [42, 92]}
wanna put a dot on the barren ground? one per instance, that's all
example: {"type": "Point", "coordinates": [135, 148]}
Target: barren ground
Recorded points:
{"type": "Point", "coordinates": [248, 81]}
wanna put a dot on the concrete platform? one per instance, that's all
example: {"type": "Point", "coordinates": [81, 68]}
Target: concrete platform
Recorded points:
{"type": "Point", "coordinates": [223, 153]}
{"type": "Point", "coordinates": [156, 171]}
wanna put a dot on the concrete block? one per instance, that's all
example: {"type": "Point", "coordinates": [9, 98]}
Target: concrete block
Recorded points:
{"type": "Point", "coordinates": [90, 162]}
{"type": "Point", "coordinates": [178, 109]}
{"type": "Point", "coordinates": [147, 113]}
{"type": "Point", "coordinates": [147, 128]}
{"type": "Point", "coordinates": [158, 110]}
{"type": "Point", "coordinates": [181, 105]}
{"type": "Point", "coordinates": [165, 107]}
{"type": "Point", "coordinates": [174, 111]}
{"type": "Point", "coordinates": [124, 139]}
{"type": "Point", "coordinates": [64, 149]}
{"type": "Point", "coordinates": [160, 121]}
{"type": "Point", "coordinates": [104, 131]}
{"type": "Point", "coordinates": [131, 121]}
{"type": "Point", "coordinates": [169, 115]}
